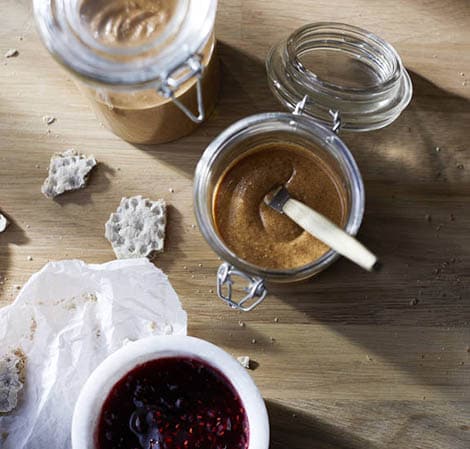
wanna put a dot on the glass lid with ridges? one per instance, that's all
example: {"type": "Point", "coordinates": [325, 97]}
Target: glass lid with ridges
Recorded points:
{"type": "Point", "coordinates": [342, 70]}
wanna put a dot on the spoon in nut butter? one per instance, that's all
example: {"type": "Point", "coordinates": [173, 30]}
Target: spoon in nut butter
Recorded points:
{"type": "Point", "coordinates": [320, 227]}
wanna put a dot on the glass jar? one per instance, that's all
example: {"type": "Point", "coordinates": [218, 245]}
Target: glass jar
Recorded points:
{"type": "Point", "coordinates": [240, 139]}
{"type": "Point", "coordinates": [332, 77]}
{"type": "Point", "coordinates": [148, 67]}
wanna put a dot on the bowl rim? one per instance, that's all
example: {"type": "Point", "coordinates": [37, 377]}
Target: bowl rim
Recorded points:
{"type": "Point", "coordinates": [117, 365]}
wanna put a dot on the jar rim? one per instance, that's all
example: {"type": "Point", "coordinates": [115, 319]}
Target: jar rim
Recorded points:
{"type": "Point", "coordinates": [134, 67]}
{"type": "Point", "coordinates": [362, 107]}
{"type": "Point", "coordinates": [322, 136]}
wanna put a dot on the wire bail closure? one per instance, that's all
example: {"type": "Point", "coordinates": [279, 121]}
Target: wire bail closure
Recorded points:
{"type": "Point", "coordinates": [192, 67]}
{"type": "Point", "coordinates": [335, 115]}
{"type": "Point", "coordinates": [256, 290]}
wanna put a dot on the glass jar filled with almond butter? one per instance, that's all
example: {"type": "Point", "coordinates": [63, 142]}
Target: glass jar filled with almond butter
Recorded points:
{"type": "Point", "coordinates": [147, 66]}
{"type": "Point", "coordinates": [332, 77]}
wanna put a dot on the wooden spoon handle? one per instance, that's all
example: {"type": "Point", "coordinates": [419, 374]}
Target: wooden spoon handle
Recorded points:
{"type": "Point", "coordinates": [330, 234]}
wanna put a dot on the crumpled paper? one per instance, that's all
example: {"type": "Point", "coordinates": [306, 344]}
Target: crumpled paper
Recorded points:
{"type": "Point", "coordinates": [67, 319]}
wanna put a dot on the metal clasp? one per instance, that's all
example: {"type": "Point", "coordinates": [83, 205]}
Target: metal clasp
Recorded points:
{"type": "Point", "coordinates": [336, 116]}
{"type": "Point", "coordinates": [256, 290]}
{"type": "Point", "coordinates": [192, 67]}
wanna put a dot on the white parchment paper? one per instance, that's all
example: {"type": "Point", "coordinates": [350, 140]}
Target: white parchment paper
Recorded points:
{"type": "Point", "coordinates": [67, 318]}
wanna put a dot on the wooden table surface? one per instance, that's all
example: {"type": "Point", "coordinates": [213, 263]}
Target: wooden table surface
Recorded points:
{"type": "Point", "coordinates": [354, 364]}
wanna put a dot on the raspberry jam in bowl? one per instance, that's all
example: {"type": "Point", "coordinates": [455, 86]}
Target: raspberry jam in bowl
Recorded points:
{"type": "Point", "coordinates": [170, 393]}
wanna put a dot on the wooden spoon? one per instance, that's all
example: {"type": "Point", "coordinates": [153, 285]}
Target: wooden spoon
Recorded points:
{"type": "Point", "coordinates": [323, 229]}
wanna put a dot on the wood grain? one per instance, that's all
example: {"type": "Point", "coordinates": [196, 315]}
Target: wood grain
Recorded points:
{"type": "Point", "coordinates": [353, 364]}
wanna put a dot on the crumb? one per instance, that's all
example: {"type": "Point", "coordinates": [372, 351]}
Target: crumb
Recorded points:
{"type": "Point", "coordinates": [459, 166]}
{"type": "Point", "coordinates": [200, 265]}
{"type": "Point", "coordinates": [12, 53]}
{"type": "Point", "coordinates": [414, 301]}
{"type": "Point", "coordinates": [462, 74]}
{"type": "Point", "coordinates": [3, 223]}
{"type": "Point", "coordinates": [30, 258]}
{"type": "Point", "coordinates": [462, 363]}
{"type": "Point", "coordinates": [48, 119]}
{"type": "Point", "coordinates": [193, 226]}
{"type": "Point", "coordinates": [369, 358]}
{"type": "Point", "coordinates": [32, 328]}
{"type": "Point", "coordinates": [294, 415]}
{"type": "Point", "coordinates": [17, 287]}
{"type": "Point", "coordinates": [276, 320]}
{"type": "Point", "coordinates": [185, 267]}
{"type": "Point", "coordinates": [244, 361]}
{"type": "Point", "coordinates": [253, 341]}
{"type": "Point", "coordinates": [437, 149]}
{"type": "Point", "coordinates": [438, 228]}
{"type": "Point", "coordinates": [37, 166]}
{"type": "Point", "coordinates": [171, 190]}
{"type": "Point", "coordinates": [211, 291]}
{"type": "Point", "coordinates": [90, 297]}
{"type": "Point", "coordinates": [192, 276]}
{"type": "Point", "coordinates": [272, 339]}
{"type": "Point", "coordinates": [241, 324]}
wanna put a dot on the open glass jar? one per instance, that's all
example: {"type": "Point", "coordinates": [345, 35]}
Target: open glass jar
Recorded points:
{"type": "Point", "coordinates": [147, 66]}
{"type": "Point", "coordinates": [332, 77]}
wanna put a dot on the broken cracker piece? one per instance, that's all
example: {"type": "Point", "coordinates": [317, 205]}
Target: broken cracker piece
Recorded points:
{"type": "Point", "coordinates": [67, 171]}
{"type": "Point", "coordinates": [137, 228]}
{"type": "Point", "coordinates": [244, 361]}
{"type": "Point", "coordinates": [3, 223]}
{"type": "Point", "coordinates": [12, 53]}
{"type": "Point", "coordinates": [12, 378]}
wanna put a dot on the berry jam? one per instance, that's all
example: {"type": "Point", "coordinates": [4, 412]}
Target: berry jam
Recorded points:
{"type": "Point", "coordinates": [173, 403]}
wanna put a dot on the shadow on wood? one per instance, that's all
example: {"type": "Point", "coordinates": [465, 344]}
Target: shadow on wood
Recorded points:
{"type": "Point", "coordinates": [294, 429]}
{"type": "Point", "coordinates": [244, 92]}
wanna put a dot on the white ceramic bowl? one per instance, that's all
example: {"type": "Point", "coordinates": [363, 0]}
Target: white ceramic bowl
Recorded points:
{"type": "Point", "coordinates": [116, 366]}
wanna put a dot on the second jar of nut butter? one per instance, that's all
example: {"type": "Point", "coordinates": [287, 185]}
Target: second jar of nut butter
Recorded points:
{"type": "Point", "coordinates": [147, 66]}
{"type": "Point", "coordinates": [331, 77]}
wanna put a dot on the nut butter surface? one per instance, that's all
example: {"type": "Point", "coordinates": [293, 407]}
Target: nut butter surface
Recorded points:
{"type": "Point", "coordinates": [260, 235]}
{"type": "Point", "coordinates": [127, 22]}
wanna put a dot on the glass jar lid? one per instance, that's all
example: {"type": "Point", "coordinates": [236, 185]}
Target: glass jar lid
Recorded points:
{"type": "Point", "coordinates": [122, 42]}
{"type": "Point", "coordinates": [340, 71]}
